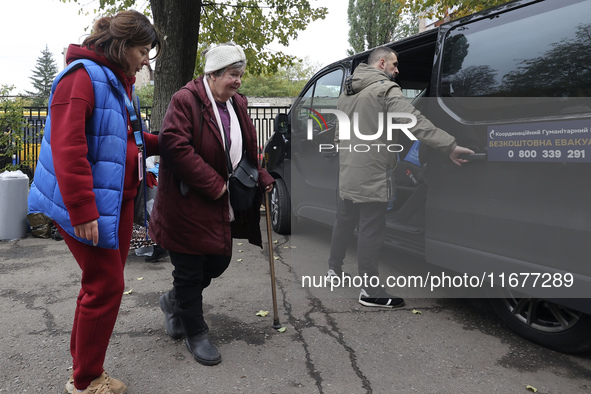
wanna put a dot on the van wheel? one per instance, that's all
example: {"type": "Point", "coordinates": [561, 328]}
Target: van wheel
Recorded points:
{"type": "Point", "coordinates": [280, 208]}
{"type": "Point", "coordinates": [546, 323]}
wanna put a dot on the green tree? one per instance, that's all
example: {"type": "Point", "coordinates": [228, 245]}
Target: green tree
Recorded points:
{"type": "Point", "coordinates": [11, 126]}
{"type": "Point", "coordinates": [43, 76]}
{"type": "Point", "coordinates": [408, 25]}
{"type": "Point", "coordinates": [440, 8]}
{"type": "Point", "coordinates": [186, 24]}
{"type": "Point", "coordinates": [372, 23]}
{"type": "Point", "coordinates": [288, 81]}
{"type": "Point", "coordinates": [146, 95]}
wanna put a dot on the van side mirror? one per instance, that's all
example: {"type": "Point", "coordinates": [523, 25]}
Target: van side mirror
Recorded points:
{"type": "Point", "coordinates": [281, 124]}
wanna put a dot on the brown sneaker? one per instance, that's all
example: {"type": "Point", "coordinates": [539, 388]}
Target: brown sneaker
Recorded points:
{"type": "Point", "coordinates": [70, 385]}
{"type": "Point", "coordinates": [104, 384]}
{"type": "Point", "coordinates": [98, 389]}
{"type": "Point", "coordinates": [116, 386]}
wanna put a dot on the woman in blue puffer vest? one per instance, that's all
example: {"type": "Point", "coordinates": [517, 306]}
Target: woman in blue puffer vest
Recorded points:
{"type": "Point", "coordinates": [87, 177]}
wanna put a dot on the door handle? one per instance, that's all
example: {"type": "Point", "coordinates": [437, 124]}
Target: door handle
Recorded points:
{"type": "Point", "coordinates": [474, 156]}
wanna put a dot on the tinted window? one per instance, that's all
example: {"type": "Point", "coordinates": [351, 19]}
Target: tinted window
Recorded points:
{"type": "Point", "coordinates": [322, 94]}
{"type": "Point", "coordinates": [541, 50]}
{"type": "Point", "coordinates": [328, 85]}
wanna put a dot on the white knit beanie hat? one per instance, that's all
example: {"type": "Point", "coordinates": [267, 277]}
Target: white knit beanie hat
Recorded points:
{"type": "Point", "coordinates": [222, 56]}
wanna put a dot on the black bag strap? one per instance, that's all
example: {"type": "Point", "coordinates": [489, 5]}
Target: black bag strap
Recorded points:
{"type": "Point", "coordinates": [136, 123]}
{"type": "Point", "coordinates": [230, 166]}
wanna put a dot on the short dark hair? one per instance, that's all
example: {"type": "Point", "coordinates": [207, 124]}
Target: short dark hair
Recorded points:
{"type": "Point", "coordinates": [380, 53]}
{"type": "Point", "coordinates": [112, 35]}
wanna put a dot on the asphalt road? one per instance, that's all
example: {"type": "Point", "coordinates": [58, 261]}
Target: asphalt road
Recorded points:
{"type": "Point", "coordinates": [331, 344]}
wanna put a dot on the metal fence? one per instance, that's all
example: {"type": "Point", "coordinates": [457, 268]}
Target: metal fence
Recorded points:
{"type": "Point", "coordinates": [263, 118]}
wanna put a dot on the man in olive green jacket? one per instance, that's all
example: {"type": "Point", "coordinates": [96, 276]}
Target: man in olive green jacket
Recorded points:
{"type": "Point", "coordinates": [371, 93]}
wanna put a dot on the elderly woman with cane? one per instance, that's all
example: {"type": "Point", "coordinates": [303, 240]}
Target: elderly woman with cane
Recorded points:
{"type": "Point", "coordinates": [205, 134]}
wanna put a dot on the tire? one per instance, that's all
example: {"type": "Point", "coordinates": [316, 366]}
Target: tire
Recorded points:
{"type": "Point", "coordinates": [546, 323]}
{"type": "Point", "coordinates": [280, 208]}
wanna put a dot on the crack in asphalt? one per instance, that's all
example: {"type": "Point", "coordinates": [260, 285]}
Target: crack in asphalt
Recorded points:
{"type": "Point", "coordinates": [316, 306]}
{"type": "Point", "coordinates": [28, 300]}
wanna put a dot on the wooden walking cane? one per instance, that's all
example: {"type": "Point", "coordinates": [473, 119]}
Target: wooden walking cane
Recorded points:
{"type": "Point", "coordinates": [276, 324]}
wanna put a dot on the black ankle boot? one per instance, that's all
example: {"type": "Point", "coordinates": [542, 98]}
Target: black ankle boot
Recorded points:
{"type": "Point", "coordinates": [202, 349]}
{"type": "Point", "coordinates": [172, 323]}
{"type": "Point", "coordinates": [157, 254]}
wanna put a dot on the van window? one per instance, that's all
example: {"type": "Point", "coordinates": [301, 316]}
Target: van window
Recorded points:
{"type": "Point", "coordinates": [327, 86]}
{"type": "Point", "coordinates": [323, 93]}
{"type": "Point", "coordinates": [541, 50]}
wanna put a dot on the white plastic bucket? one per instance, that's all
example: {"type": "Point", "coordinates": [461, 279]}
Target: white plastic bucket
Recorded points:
{"type": "Point", "coordinates": [14, 191]}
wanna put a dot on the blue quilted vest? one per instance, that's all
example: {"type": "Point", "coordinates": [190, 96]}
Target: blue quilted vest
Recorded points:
{"type": "Point", "coordinates": [106, 135]}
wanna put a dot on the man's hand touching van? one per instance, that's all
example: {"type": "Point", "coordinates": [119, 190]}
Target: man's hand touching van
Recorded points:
{"type": "Point", "coordinates": [460, 150]}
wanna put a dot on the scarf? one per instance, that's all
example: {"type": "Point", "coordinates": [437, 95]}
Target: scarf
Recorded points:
{"type": "Point", "coordinates": [235, 130]}
{"type": "Point", "coordinates": [235, 134]}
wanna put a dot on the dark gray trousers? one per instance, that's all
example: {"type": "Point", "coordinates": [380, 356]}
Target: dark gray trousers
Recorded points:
{"type": "Point", "coordinates": [370, 219]}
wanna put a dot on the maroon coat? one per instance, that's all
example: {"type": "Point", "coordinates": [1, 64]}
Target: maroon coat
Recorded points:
{"type": "Point", "coordinates": [191, 150]}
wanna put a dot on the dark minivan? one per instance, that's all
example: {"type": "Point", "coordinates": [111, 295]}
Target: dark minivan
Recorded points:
{"type": "Point", "coordinates": [513, 83]}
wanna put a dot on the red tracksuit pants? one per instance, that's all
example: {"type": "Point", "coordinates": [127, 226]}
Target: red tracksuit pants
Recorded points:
{"type": "Point", "coordinates": [99, 299]}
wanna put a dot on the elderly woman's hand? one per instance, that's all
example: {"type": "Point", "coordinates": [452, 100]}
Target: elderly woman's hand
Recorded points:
{"type": "Point", "coordinates": [269, 188]}
{"type": "Point", "coordinates": [222, 192]}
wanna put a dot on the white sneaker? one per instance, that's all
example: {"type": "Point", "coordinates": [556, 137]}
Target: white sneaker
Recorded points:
{"type": "Point", "coordinates": [334, 274]}
{"type": "Point", "coordinates": [331, 274]}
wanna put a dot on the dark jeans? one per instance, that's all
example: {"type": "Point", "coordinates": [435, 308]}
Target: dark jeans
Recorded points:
{"type": "Point", "coordinates": [370, 218]}
{"type": "Point", "coordinates": [193, 273]}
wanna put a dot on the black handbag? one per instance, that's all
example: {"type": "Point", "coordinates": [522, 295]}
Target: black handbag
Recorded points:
{"type": "Point", "coordinates": [242, 181]}
{"type": "Point", "coordinates": [242, 184]}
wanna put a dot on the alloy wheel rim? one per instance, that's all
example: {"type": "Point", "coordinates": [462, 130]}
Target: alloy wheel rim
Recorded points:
{"type": "Point", "coordinates": [274, 207]}
{"type": "Point", "coordinates": [542, 315]}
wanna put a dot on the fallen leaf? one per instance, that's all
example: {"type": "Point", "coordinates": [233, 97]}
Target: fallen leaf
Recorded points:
{"type": "Point", "coordinates": [282, 329]}
{"type": "Point", "coordinates": [128, 292]}
{"type": "Point", "coordinates": [417, 312]}
{"type": "Point", "coordinates": [532, 388]}
{"type": "Point", "coordinates": [276, 258]}
{"type": "Point", "coordinates": [239, 244]}
{"type": "Point", "coordinates": [275, 242]}
{"type": "Point", "coordinates": [140, 278]}
{"type": "Point", "coordinates": [240, 251]}
{"type": "Point", "coordinates": [239, 260]}
{"type": "Point", "coordinates": [262, 313]}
